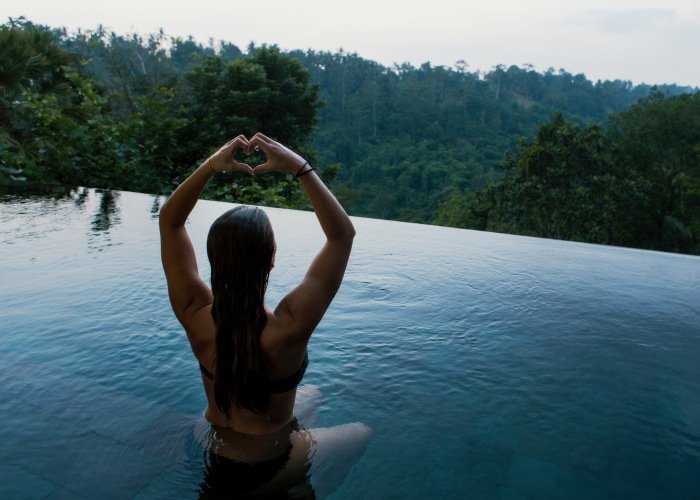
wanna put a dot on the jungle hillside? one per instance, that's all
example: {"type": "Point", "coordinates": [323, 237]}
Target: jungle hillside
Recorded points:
{"type": "Point", "coordinates": [516, 150]}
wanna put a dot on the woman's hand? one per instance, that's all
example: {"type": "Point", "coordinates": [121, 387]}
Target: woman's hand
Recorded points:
{"type": "Point", "coordinates": [223, 159]}
{"type": "Point", "coordinates": [279, 157]}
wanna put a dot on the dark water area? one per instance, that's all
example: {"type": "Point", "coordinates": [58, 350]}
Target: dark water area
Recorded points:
{"type": "Point", "coordinates": [488, 365]}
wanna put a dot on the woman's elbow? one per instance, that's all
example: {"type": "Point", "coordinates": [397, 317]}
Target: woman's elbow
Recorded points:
{"type": "Point", "coordinates": [165, 216]}
{"type": "Point", "coordinates": [163, 219]}
{"type": "Point", "coordinates": [344, 235]}
{"type": "Point", "coordinates": [349, 233]}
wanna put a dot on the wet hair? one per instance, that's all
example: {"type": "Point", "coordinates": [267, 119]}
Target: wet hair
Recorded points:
{"type": "Point", "coordinates": [240, 247]}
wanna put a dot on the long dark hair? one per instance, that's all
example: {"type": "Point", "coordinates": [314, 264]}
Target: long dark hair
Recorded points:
{"type": "Point", "coordinates": [240, 247]}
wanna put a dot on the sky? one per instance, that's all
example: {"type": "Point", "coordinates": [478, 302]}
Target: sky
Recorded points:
{"type": "Point", "coordinates": [645, 41]}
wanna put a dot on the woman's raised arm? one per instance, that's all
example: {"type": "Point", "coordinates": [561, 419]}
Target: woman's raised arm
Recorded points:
{"type": "Point", "coordinates": [304, 307]}
{"type": "Point", "coordinates": [188, 293]}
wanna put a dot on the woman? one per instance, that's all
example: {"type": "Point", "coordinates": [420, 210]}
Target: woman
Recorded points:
{"type": "Point", "coordinates": [252, 358]}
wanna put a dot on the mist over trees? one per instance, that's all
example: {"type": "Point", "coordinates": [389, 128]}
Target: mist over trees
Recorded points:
{"type": "Point", "coordinates": [512, 149]}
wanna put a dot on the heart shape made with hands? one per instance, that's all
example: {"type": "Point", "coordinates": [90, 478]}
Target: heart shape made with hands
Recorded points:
{"type": "Point", "coordinates": [247, 155]}
{"type": "Point", "coordinates": [266, 154]}
{"type": "Point", "coordinates": [254, 157]}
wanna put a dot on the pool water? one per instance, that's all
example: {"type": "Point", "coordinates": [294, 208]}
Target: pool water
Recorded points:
{"type": "Point", "coordinates": [489, 366]}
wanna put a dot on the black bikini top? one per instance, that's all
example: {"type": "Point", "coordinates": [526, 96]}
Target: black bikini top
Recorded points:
{"type": "Point", "coordinates": [276, 386]}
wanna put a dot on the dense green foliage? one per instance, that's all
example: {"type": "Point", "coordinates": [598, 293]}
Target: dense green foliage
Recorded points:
{"type": "Point", "coordinates": [405, 137]}
{"type": "Point", "coordinates": [101, 110]}
{"type": "Point", "coordinates": [427, 144]}
{"type": "Point", "coordinates": [48, 112]}
{"type": "Point", "coordinates": [634, 183]}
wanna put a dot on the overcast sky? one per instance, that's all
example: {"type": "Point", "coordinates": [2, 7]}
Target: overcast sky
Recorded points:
{"type": "Point", "coordinates": [646, 41]}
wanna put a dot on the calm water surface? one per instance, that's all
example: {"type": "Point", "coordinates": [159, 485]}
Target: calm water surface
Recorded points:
{"type": "Point", "coordinates": [489, 366]}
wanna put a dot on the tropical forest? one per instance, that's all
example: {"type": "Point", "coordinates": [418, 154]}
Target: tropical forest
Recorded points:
{"type": "Point", "coordinates": [514, 149]}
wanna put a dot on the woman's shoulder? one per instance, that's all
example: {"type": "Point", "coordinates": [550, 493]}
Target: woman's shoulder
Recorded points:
{"type": "Point", "coordinates": [279, 335]}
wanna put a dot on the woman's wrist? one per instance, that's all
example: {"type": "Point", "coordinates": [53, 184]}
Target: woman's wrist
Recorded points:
{"type": "Point", "coordinates": [305, 169]}
{"type": "Point", "coordinates": [301, 168]}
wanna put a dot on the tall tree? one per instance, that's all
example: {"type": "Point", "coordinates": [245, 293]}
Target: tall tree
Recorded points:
{"type": "Point", "coordinates": [660, 138]}
{"type": "Point", "coordinates": [53, 123]}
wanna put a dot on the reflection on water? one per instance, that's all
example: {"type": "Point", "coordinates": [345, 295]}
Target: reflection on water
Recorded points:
{"type": "Point", "coordinates": [107, 213]}
{"type": "Point", "coordinates": [489, 366]}
{"type": "Point", "coordinates": [80, 196]}
{"type": "Point", "coordinates": [155, 207]}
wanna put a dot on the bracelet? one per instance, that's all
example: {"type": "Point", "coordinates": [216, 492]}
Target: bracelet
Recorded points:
{"type": "Point", "coordinates": [302, 168]}
{"type": "Point", "coordinates": [301, 172]}
{"type": "Point", "coordinates": [305, 172]}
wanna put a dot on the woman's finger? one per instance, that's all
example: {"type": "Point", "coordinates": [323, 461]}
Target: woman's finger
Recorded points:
{"type": "Point", "coordinates": [239, 138]}
{"type": "Point", "coordinates": [259, 143]}
{"type": "Point", "coordinates": [262, 168]}
{"type": "Point", "coordinates": [262, 137]}
{"type": "Point", "coordinates": [242, 167]}
{"type": "Point", "coordinates": [239, 142]}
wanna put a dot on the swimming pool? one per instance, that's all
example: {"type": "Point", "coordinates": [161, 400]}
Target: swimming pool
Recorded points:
{"type": "Point", "coordinates": [489, 366]}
